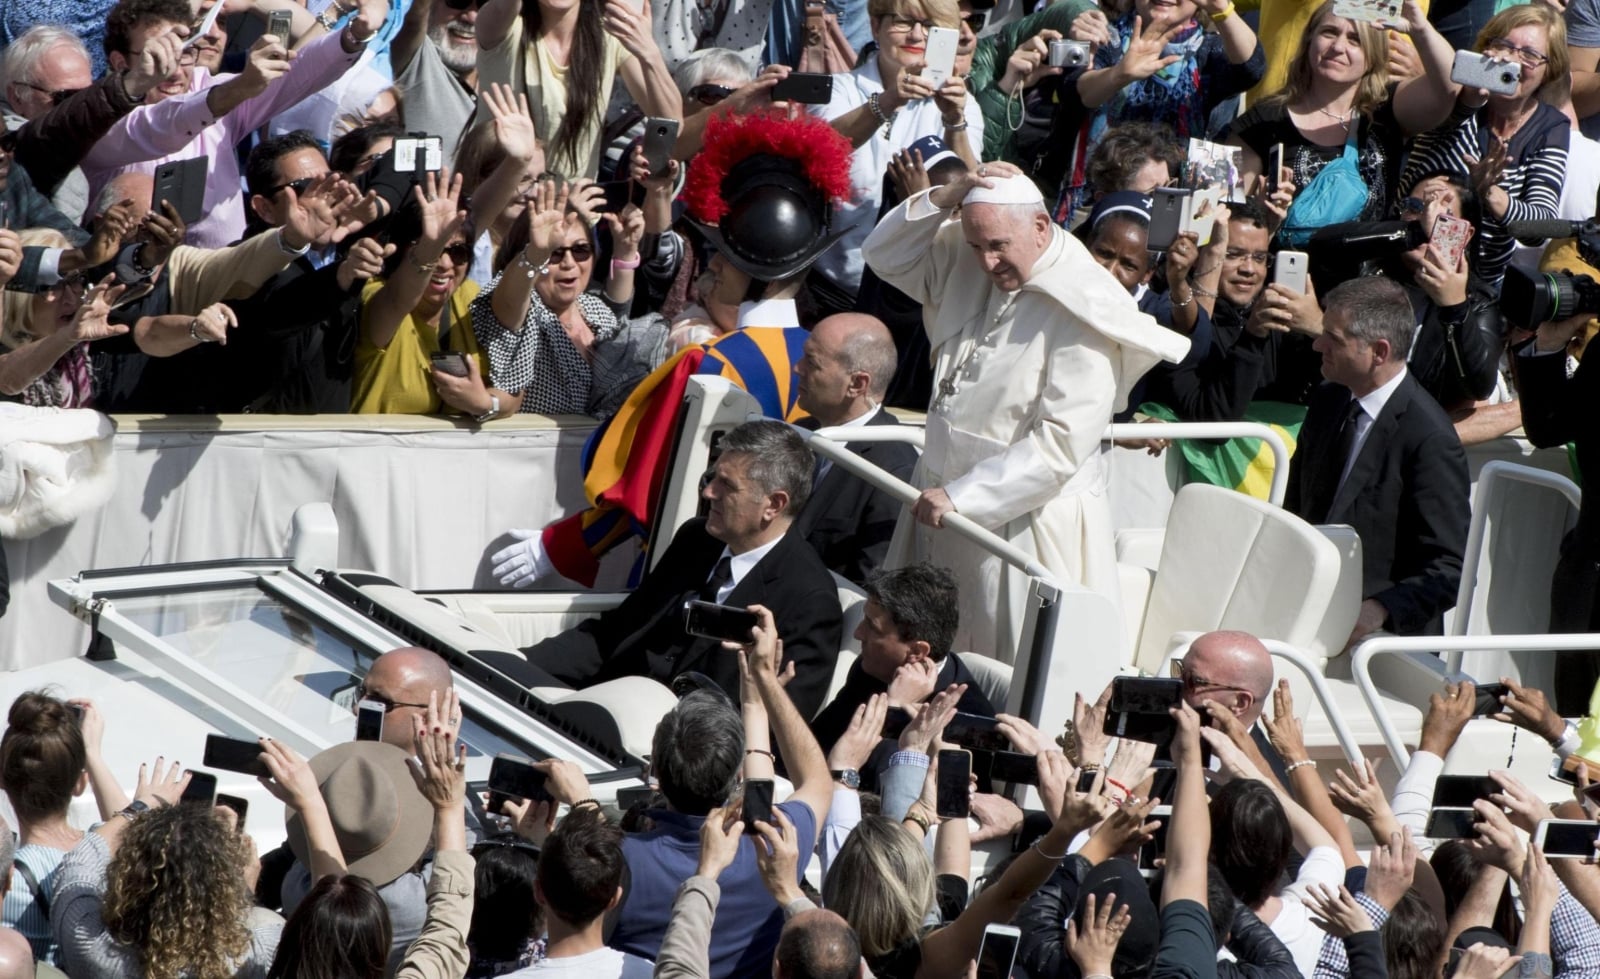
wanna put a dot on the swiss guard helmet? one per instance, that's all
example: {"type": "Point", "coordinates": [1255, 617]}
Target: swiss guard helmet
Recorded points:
{"type": "Point", "coordinates": [762, 190]}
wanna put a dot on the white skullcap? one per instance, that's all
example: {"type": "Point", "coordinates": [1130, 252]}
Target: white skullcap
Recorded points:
{"type": "Point", "coordinates": [1006, 190]}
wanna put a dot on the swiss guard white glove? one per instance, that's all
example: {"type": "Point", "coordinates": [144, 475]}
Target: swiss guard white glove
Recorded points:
{"type": "Point", "coordinates": [524, 562]}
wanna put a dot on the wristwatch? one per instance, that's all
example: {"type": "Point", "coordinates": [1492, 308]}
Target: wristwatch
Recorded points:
{"type": "Point", "coordinates": [848, 777]}
{"type": "Point", "coordinates": [494, 409]}
{"type": "Point", "coordinates": [133, 809]}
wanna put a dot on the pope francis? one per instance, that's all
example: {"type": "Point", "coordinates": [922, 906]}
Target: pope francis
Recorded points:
{"type": "Point", "coordinates": [1035, 346]}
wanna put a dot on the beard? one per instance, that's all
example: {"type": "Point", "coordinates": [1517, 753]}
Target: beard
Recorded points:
{"type": "Point", "coordinates": [458, 52]}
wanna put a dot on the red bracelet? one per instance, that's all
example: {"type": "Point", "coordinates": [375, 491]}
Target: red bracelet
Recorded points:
{"type": "Point", "coordinates": [1118, 785]}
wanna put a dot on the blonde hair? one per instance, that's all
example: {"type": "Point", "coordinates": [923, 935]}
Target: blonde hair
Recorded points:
{"type": "Point", "coordinates": [16, 308]}
{"type": "Point", "coordinates": [1556, 80]}
{"type": "Point", "coordinates": [1371, 91]}
{"type": "Point", "coordinates": [882, 883]}
{"type": "Point", "coordinates": [944, 13]}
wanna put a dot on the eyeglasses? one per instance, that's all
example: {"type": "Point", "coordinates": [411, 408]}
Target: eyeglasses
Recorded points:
{"type": "Point", "coordinates": [53, 97]}
{"type": "Point", "coordinates": [904, 25]}
{"type": "Point", "coordinates": [362, 693]}
{"type": "Point", "coordinates": [76, 284]}
{"type": "Point", "coordinates": [298, 186]}
{"type": "Point", "coordinates": [1239, 255]}
{"type": "Point", "coordinates": [581, 252]}
{"type": "Point", "coordinates": [505, 842]}
{"type": "Point", "coordinates": [709, 94]}
{"type": "Point", "coordinates": [1528, 56]}
{"type": "Point", "coordinates": [1194, 682]}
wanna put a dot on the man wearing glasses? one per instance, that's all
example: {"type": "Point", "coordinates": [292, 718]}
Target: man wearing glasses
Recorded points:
{"type": "Point", "coordinates": [435, 58]}
{"type": "Point", "coordinates": [401, 681]}
{"type": "Point", "coordinates": [1234, 671]}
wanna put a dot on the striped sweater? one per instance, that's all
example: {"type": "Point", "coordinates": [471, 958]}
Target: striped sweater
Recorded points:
{"type": "Point", "coordinates": [1536, 166]}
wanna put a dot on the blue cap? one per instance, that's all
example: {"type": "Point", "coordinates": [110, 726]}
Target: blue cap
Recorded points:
{"type": "Point", "coordinates": [1124, 201]}
{"type": "Point", "coordinates": [933, 149]}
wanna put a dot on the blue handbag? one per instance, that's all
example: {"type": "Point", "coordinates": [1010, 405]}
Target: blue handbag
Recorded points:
{"type": "Point", "coordinates": [1336, 194]}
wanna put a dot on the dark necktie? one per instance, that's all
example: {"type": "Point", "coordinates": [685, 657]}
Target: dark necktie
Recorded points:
{"type": "Point", "coordinates": [720, 575]}
{"type": "Point", "coordinates": [1347, 437]}
{"type": "Point", "coordinates": [1333, 468]}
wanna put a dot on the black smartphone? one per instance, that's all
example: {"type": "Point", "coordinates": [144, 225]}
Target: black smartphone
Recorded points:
{"type": "Point", "coordinates": [1461, 791]}
{"type": "Point", "coordinates": [977, 732]}
{"type": "Point", "coordinates": [1014, 767]}
{"type": "Point", "coordinates": [1567, 839]}
{"type": "Point", "coordinates": [202, 788]}
{"type": "Point", "coordinates": [235, 755]}
{"type": "Point", "coordinates": [1163, 782]}
{"type": "Point", "coordinates": [1156, 847]}
{"type": "Point", "coordinates": [183, 183]}
{"type": "Point", "coordinates": [280, 24]}
{"type": "Point", "coordinates": [950, 892]}
{"type": "Point", "coordinates": [1274, 167]}
{"type": "Point", "coordinates": [451, 362]}
{"type": "Point", "coordinates": [757, 803]}
{"type": "Point", "coordinates": [515, 776]}
{"type": "Point", "coordinates": [808, 88]}
{"type": "Point", "coordinates": [369, 720]}
{"type": "Point", "coordinates": [1451, 824]}
{"type": "Point", "coordinates": [629, 798]}
{"type": "Point", "coordinates": [723, 622]}
{"type": "Point", "coordinates": [1489, 695]}
{"type": "Point", "coordinates": [1138, 708]}
{"type": "Point", "coordinates": [1169, 206]}
{"type": "Point", "coordinates": [955, 784]}
{"type": "Point", "coordinates": [1086, 780]}
{"type": "Point", "coordinates": [660, 136]}
{"type": "Point", "coordinates": [998, 953]}
{"type": "Point", "coordinates": [238, 805]}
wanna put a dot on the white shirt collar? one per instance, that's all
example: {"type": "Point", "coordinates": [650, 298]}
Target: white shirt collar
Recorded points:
{"type": "Point", "coordinates": [740, 565]}
{"type": "Point", "coordinates": [864, 420]}
{"type": "Point", "coordinates": [768, 312]}
{"type": "Point", "coordinates": [1373, 401]}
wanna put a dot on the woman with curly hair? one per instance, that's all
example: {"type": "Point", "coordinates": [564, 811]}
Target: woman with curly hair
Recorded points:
{"type": "Point", "coordinates": [160, 891]}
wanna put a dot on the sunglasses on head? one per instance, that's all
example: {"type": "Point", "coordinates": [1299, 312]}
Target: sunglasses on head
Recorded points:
{"type": "Point", "coordinates": [709, 94]}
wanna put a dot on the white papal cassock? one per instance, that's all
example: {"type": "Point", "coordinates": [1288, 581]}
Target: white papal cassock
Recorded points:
{"type": "Point", "coordinates": [1025, 384]}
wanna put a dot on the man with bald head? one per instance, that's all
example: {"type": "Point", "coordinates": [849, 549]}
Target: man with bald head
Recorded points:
{"type": "Point", "coordinates": [848, 361]}
{"type": "Point", "coordinates": [1035, 346]}
{"type": "Point", "coordinates": [1233, 670]}
{"type": "Point", "coordinates": [401, 681]}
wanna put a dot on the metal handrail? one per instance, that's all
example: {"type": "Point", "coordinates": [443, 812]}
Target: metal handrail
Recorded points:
{"type": "Point", "coordinates": [1491, 478]}
{"type": "Point", "coordinates": [1361, 668]}
{"type": "Point", "coordinates": [1216, 430]}
{"type": "Point", "coordinates": [910, 434]}
{"type": "Point", "coordinates": [1297, 658]}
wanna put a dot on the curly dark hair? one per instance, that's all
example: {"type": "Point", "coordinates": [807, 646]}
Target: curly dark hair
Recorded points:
{"type": "Point", "coordinates": [176, 893]}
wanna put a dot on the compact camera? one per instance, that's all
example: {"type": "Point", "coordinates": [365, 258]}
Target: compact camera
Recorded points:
{"type": "Point", "coordinates": [1068, 54]}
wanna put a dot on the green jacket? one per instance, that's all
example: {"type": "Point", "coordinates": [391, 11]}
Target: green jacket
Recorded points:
{"type": "Point", "coordinates": [989, 66]}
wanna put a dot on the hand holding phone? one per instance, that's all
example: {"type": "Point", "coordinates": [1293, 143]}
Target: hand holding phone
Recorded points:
{"type": "Point", "coordinates": [235, 755]}
{"type": "Point", "coordinates": [757, 804]}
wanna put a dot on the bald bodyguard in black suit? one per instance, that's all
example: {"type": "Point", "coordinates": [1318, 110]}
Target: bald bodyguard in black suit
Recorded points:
{"type": "Point", "coordinates": [848, 361]}
{"type": "Point", "coordinates": [1378, 453]}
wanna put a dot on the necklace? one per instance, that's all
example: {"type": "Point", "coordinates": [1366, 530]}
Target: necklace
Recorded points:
{"type": "Point", "coordinates": [1343, 119]}
{"type": "Point", "coordinates": [950, 384]}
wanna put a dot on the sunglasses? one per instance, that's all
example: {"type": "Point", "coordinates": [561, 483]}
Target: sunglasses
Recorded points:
{"type": "Point", "coordinates": [298, 186]}
{"type": "Point", "coordinates": [460, 253]}
{"type": "Point", "coordinates": [388, 705]}
{"type": "Point", "coordinates": [580, 252]}
{"type": "Point", "coordinates": [709, 94]}
{"type": "Point", "coordinates": [976, 20]}
{"type": "Point", "coordinates": [461, 4]}
{"type": "Point", "coordinates": [53, 97]}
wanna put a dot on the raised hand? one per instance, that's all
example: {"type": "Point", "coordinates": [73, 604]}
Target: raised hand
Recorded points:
{"type": "Point", "coordinates": [162, 232]}
{"type": "Point", "coordinates": [952, 193]}
{"type": "Point", "coordinates": [1524, 808]}
{"type": "Point", "coordinates": [269, 61]}
{"type": "Point", "coordinates": [1390, 871]}
{"type": "Point", "coordinates": [951, 98]}
{"type": "Point", "coordinates": [630, 27]}
{"type": "Point", "coordinates": [157, 61]}
{"type": "Point", "coordinates": [292, 781]}
{"type": "Point", "coordinates": [1091, 26]}
{"type": "Point", "coordinates": [440, 769]}
{"type": "Point", "coordinates": [92, 321]}
{"type": "Point", "coordinates": [1497, 843]}
{"type": "Point", "coordinates": [930, 719]}
{"type": "Point", "coordinates": [1143, 57]}
{"type": "Point", "coordinates": [1362, 796]}
{"type": "Point", "coordinates": [855, 746]}
{"type": "Point", "coordinates": [533, 821]}
{"type": "Point", "coordinates": [1527, 708]}
{"type": "Point", "coordinates": [907, 174]}
{"type": "Point", "coordinates": [312, 219]}
{"type": "Point", "coordinates": [719, 843]}
{"type": "Point", "coordinates": [1448, 714]}
{"type": "Point", "coordinates": [1089, 740]}
{"type": "Point", "coordinates": [513, 123]}
{"type": "Point", "coordinates": [1092, 943]}
{"type": "Point", "coordinates": [364, 261]}
{"type": "Point", "coordinates": [778, 857]}
{"type": "Point", "coordinates": [1283, 729]}
{"type": "Point", "coordinates": [547, 215]}
{"type": "Point", "coordinates": [913, 683]}
{"type": "Point", "coordinates": [160, 785]}
{"type": "Point", "coordinates": [627, 232]}
{"type": "Point", "coordinates": [10, 254]}
{"type": "Point", "coordinates": [1336, 912]}
{"type": "Point", "coordinates": [109, 232]}
{"type": "Point", "coordinates": [441, 216]}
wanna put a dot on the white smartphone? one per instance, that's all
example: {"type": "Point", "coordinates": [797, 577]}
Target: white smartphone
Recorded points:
{"type": "Point", "coordinates": [998, 953]}
{"type": "Point", "coordinates": [369, 720]}
{"type": "Point", "coordinates": [1567, 839]}
{"type": "Point", "coordinates": [939, 60]}
{"type": "Point", "coordinates": [1289, 271]}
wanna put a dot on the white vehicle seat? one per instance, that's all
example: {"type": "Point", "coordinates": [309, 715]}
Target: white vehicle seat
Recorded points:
{"type": "Point", "coordinates": [853, 602]}
{"type": "Point", "coordinates": [635, 703]}
{"type": "Point", "coordinates": [993, 677]}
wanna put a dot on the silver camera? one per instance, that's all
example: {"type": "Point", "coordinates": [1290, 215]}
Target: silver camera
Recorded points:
{"type": "Point", "coordinates": [1068, 54]}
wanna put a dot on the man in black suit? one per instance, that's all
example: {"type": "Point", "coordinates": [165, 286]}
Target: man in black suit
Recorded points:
{"type": "Point", "coordinates": [905, 633]}
{"type": "Point", "coordinates": [741, 554]}
{"type": "Point", "coordinates": [1377, 453]}
{"type": "Point", "coordinates": [1233, 670]}
{"type": "Point", "coordinates": [849, 359]}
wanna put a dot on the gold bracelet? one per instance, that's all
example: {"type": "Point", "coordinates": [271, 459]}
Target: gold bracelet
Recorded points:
{"type": "Point", "coordinates": [912, 816]}
{"type": "Point", "coordinates": [423, 267]}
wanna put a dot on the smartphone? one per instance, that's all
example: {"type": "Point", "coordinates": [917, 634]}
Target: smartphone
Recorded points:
{"type": "Point", "coordinates": [202, 788]}
{"type": "Point", "coordinates": [238, 805]}
{"type": "Point", "coordinates": [1567, 839]}
{"type": "Point", "coordinates": [515, 776]}
{"type": "Point", "coordinates": [418, 152]}
{"type": "Point", "coordinates": [1086, 781]}
{"type": "Point", "coordinates": [369, 721]}
{"type": "Point", "coordinates": [235, 755]}
{"type": "Point", "coordinates": [976, 731]}
{"type": "Point", "coordinates": [1163, 782]}
{"type": "Point", "coordinates": [1461, 791]}
{"type": "Point", "coordinates": [1274, 168]}
{"type": "Point", "coordinates": [1016, 768]}
{"type": "Point", "coordinates": [950, 893]}
{"type": "Point", "coordinates": [619, 194]}
{"type": "Point", "coordinates": [1289, 270]}
{"type": "Point", "coordinates": [757, 803]}
{"type": "Point", "coordinates": [660, 136]}
{"type": "Point", "coordinates": [1156, 847]}
{"type": "Point", "coordinates": [1592, 792]}
{"type": "Point", "coordinates": [1474, 70]}
{"type": "Point", "coordinates": [279, 25]}
{"type": "Point", "coordinates": [1489, 695]}
{"type": "Point", "coordinates": [709, 620]}
{"type": "Point", "coordinates": [805, 87]}
{"type": "Point", "coordinates": [451, 362]}
{"type": "Point", "coordinates": [183, 183]}
{"type": "Point", "coordinates": [1138, 708]}
{"type": "Point", "coordinates": [629, 798]}
{"type": "Point", "coordinates": [1201, 216]}
{"type": "Point", "coordinates": [998, 953]}
{"type": "Point", "coordinates": [1566, 771]}
{"type": "Point", "coordinates": [1451, 824]}
{"type": "Point", "coordinates": [1169, 208]}
{"type": "Point", "coordinates": [955, 784]}
{"type": "Point", "coordinates": [939, 57]}
{"type": "Point", "coordinates": [1449, 237]}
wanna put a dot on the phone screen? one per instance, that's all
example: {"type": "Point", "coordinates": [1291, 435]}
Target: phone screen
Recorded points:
{"type": "Point", "coordinates": [1014, 767]}
{"type": "Point", "coordinates": [757, 803]}
{"type": "Point", "coordinates": [369, 721]}
{"type": "Point", "coordinates": [998, 953]}
{"type": "Point", "coordinates": [202, 788]}
{"type": "Point", "coordinates": [1569, 838]}
{"type": "Point", "coordinates": [515, 776]}
{"type": "Point", "coordinates": [976, 731]}
{"type": "Point", "coordinates": [1461, 791]}
{"type": "Point", "coordinates": [954, 787]}
{"type": "Point", "coordinates": [235, 755]}
{"type": "Point", "coordinates": [723, 622]}
{"type": "Point", "coordinates": [239, 806]}
{"type": "Point", "coordinates": [1451, 824]}
{"type": "Point", "coordinates": [1489, 695]}
{"type": "Point", "coordinates": [1157, 846]}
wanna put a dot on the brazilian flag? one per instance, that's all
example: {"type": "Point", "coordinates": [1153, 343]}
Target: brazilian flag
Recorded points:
{"type": "Point", "coordinates": [1243, 464]}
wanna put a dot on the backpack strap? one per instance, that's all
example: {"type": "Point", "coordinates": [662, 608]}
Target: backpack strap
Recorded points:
{"type": "Point", "coordinates": [40, 898]}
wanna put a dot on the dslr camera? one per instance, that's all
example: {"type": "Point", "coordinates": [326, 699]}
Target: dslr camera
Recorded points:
{"type": "Point", "coordinates": [1531, 298]}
